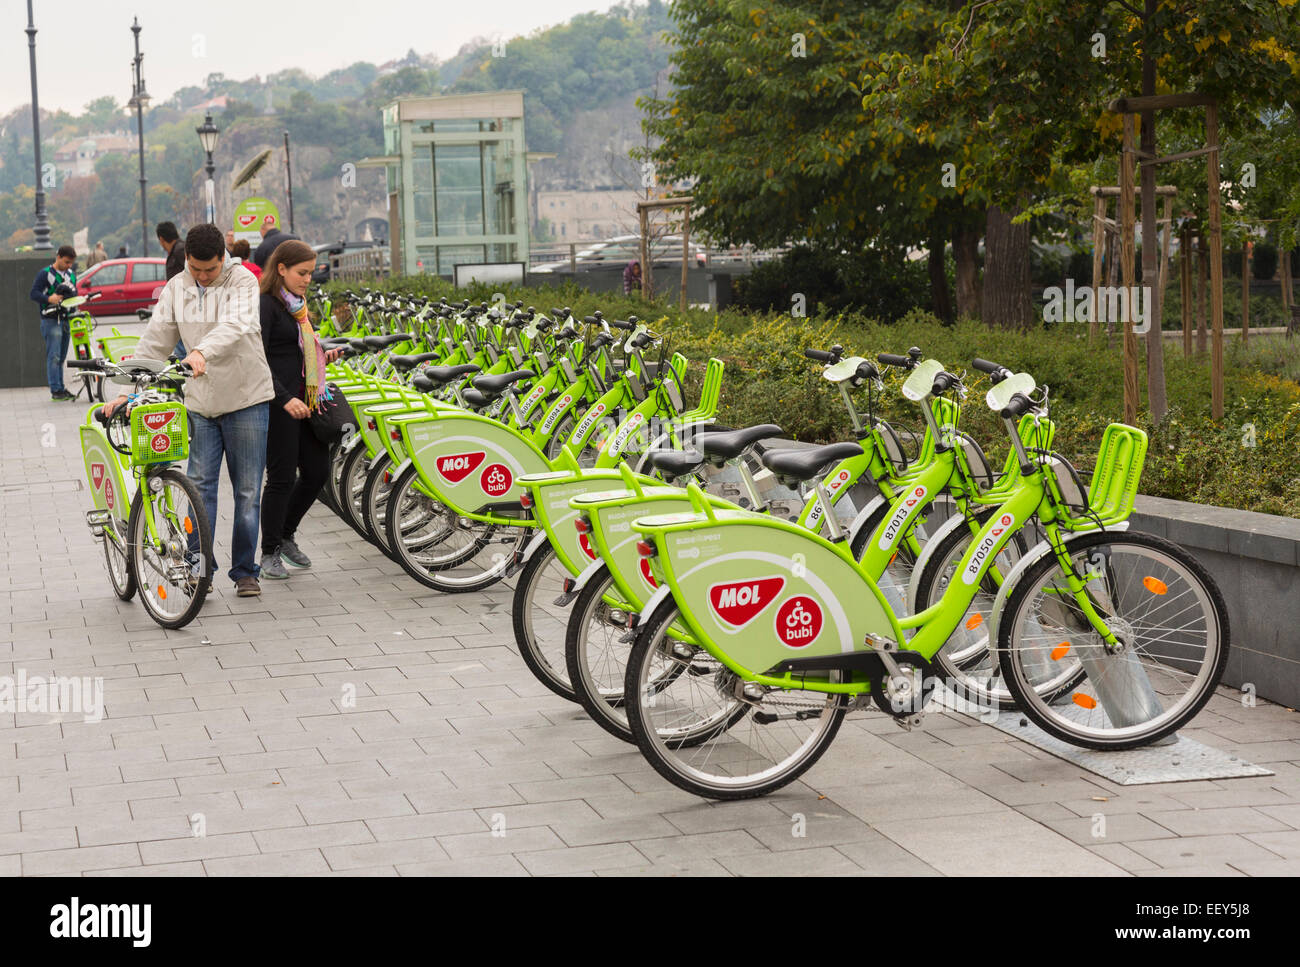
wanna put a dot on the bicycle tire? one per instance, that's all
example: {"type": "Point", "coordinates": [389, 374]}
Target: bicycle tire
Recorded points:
{"type": "Point", "coordinates": [351, 486]}
{"type": "Point", "coordinates": [1156, 566]}
{"type": "Point", "coordinates": [710, 741]}
{"type": "Point", "coordinates": [117, 555]}
{"type": "Point", "coordinates": [374, 502]}
{"type": "Point", "coordinates": [140, 554]}
{"type": "Point", "coordinates": [536, 582]}
{"type": "Point", "coordinates": [437, 573]}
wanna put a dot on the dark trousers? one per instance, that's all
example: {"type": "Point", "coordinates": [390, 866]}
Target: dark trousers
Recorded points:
{"type": "Point", "coordinates": [296, 465]}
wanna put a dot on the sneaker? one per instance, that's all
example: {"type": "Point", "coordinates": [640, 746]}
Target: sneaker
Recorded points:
{"type": "Point", "coordinates": [273, 567]}
{"type": "Point", "coordinates": [248, 588]}
{"type": "Point", "coordinates": [60, 396]}
{"type": "Point", "coordinates": [292, 555]}
{"type": "Point", "coordinates": [193, 582]}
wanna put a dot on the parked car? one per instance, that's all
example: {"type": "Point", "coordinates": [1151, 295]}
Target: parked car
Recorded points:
{"type": "Point", "coordinates": [124, 285]}
{"type": "Point", "coordinates": [623, 249]}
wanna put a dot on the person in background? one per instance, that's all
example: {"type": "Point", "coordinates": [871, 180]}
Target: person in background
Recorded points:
{"type": "Point", "coordinates": [170, 240]}
{"type": "Point", "coordinates": [121, 252]}
{"type": "Point", "coordinates": [52, 285]}
{"type": "Point", "coordinates": [296, 460]}
{"type": "Point", "coordinates": [230, 242]}
{"type": "Point", "coordinates": [213, 305]}
{"type": "Point", "coordinates": [271, 238]}
{"type": "Point", "coordinates": [632, 278]}
{"type": "Point", "coordinates": [244, 252]}
{"type": "Point", "coordinates": [97, 255]}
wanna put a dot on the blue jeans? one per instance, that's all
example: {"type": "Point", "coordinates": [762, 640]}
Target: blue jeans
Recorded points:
{"type": "Point", "coordinates": [241, 437]}
{"type": "Point", "coordinates": [56, 335]}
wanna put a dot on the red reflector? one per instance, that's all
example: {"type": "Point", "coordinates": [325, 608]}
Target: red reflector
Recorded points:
{"type": "Point", "coordinates": [395, 434]}
{"type": "Point", "coordinates": [388, 476]}
{"type": "Point", "coordinates": [646, 549]}
{"type": "Point", "coordinates": [525, 501]}
{"type": "Point", "coordinates": [370, 425]}
{"type": "Point", "coordinates": [583, 525]}
{"type": "Point", "coordinates": [568, 585]}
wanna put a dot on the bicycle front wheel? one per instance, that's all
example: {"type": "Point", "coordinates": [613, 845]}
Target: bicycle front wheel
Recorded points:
{"type": "Point", "coordinates": [164, 567]}
{"type": "Point", "coordinates": [118, 559]}
{"type": "Point", "coordinates": [710, 733]}
{"type": "Point", "coordinates": [1162, 606]}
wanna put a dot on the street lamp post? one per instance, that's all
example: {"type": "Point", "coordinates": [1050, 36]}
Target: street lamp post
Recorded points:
{"type": "Point", "coordinates": [42, 226]}
{"type": "Point", "coordinates": [139, 100]}
{"type": "Point", "coordinates": [208, 135]}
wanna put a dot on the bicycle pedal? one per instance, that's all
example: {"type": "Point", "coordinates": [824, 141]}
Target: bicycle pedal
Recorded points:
{"type": "Point", "coordinates": [909, 722]}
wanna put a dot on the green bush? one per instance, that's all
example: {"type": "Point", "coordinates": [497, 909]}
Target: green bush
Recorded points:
{"type": "Point", "coordinates": [1265, 260]}
{"type": "Point", "coordinates": [881, 283]}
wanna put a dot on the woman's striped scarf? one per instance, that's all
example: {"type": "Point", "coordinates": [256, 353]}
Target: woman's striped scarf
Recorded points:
{"type": "Point", "coordinates": [313, 356]}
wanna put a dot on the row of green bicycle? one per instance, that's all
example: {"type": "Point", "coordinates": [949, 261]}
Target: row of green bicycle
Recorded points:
{"type": "Point", "coordinates": [727, 641]}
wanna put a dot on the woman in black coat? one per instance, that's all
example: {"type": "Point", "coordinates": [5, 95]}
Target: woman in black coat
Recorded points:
{"type": "Point", "coordinates": [296, 460]}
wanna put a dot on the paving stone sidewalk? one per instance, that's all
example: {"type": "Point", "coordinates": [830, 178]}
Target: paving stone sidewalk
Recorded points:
{"type": "Point", "coordinates": [235, 724]}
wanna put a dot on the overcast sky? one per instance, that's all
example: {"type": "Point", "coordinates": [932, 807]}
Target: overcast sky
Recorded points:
{"type": "Point", "coordinates": [84, 47]}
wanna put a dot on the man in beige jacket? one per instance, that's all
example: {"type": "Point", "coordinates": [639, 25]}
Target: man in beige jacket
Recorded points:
{"type": "Point", "coordinates": [213, 308]}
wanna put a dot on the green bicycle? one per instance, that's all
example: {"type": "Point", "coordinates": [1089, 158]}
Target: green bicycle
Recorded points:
{"type": "Point", "coordinates": [162, 545]}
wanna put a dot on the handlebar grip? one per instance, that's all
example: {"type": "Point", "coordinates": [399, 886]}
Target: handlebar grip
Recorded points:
{"type": "Point", "coordinates": [1018, 406]}
{"type": "Point", "coordinates": [943, 382]}
{"type": "Point", "coordinates": [866, 370]}
{"type": "Point", "coordinates": [85, 364]}
{"type": "Point", "coordinates": [590, 320]}
{"type": "Point", "coordinates": [821, 355]}
{"type": "Point", "coordinates": [893, 359]}
{"type": "Point", "coordinates": [99, 415]}
{"type": "Point", "coordinates": [622, 324]}
{"type": "Point", "coordinates": [985, 366]}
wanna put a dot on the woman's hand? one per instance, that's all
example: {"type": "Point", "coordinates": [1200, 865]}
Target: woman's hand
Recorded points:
{"type": "Point", "coordinates": [297, 409]}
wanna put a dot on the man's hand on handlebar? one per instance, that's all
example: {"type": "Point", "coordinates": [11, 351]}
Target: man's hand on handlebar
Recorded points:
{"type": "Point", "coordinates": [196, 362]}
{"type": "Point", "coordinates": [54, 300]}
{"type": "Point", "coordinates": [111, 406]}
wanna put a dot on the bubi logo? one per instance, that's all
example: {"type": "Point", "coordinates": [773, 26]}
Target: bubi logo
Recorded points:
{"type": "Point", "coordinates": [455, 467]}
{"type": "Point", "coordinates": [496, 479]}
{"type": "Point", "coordinates": [160, 442]}
{"type": "Point", "coordinates": [156, 421]}
{"type": "Point", "coordinates": [97, 474]}
{"type": "Point", "coordinates": [737, 603]}
{"type": "Point", "coordinates": [109, 497]}
{"type": "Point", "coordinates": [798, 621]}
{"type": "Point", "coordinates": [646, 574]}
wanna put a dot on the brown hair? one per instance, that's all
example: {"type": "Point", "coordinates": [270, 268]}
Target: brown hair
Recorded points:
{"type": "Point", "coordinates": [292, 252]}
{"type": "Point", "coordinates": [241, 249]}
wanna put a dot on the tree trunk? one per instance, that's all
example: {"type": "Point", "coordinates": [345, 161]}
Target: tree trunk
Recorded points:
{"type": "Point", "coordinates": [1007, 293]}
{"type": "Point", "coordinates": [940, 296]}
{"type": "Point", "coordinates": [965, 253]}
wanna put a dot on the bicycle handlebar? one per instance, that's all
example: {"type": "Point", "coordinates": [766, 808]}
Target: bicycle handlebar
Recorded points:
{"type": "Point", "coordinates": [995, 370]}
{"type": "Point", "coordinates": [893, 359]}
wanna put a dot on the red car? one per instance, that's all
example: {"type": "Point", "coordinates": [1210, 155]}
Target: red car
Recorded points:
{"type": "Point", "coordinates": [124, 285]}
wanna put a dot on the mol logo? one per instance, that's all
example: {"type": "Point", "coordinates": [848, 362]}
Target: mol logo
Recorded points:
{"type": "Point", "coordinates": [905, 508]}
{"type": "Point", "coordinates": [455, 467]}
{"type": "Point", "coordinates": [798, 621]}
{"type": "Point", "coordinates": [584, 542]}
{"type": "Point", "coordinates": [736, 603]}
{"type": "Point", "coordinates": [646, 575]}
{"type": "Point", "coordinates": [97, 474]}
{"type": "Point", "coordinates": [985, 548]}
{"type": "Point", "coordinates": [156, 421]}
{"type": "Point", "coordinates": [496, 479]}
{"type": "Point", "coordinates": [246, 220]}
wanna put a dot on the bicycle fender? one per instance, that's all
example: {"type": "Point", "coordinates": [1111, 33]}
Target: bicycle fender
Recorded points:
{"type": "Point", "coordinates": [860, 521]}
{"type": "Point", "coordinates": [350, 442]}
{"type": "Point", "coordinates": [538, 541]}
{"type": "Point", "coordinates": [581, 580]}
{"type": "Point", "coordinates": [1035, 554]}
{"type": "Point", "coordinates": [946, 528]}
{"type": "Point", "coordinates": [649, 609]}
{"type": "Point", "coordinates": [400, 467]}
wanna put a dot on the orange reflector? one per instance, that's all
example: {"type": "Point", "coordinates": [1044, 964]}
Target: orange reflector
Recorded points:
{"type": "Point", "coordinates": [189, 525]}
{"type": "Point", "coordinates": [162, 592]}
{"type": "Point", "coordinates": [1084, 701]}
{"type": "Point", "coordinates": [892, 560]}
{"type": "Point", "coordinates": [1060, 650]}
{"type": "Point", "coordinates": [974, 621]}
{"type": "Point", "coordinates": [1155, 585]}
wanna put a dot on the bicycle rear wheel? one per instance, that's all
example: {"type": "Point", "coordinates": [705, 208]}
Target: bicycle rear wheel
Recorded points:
{"type": "Point", "coordinates": [706, 731]}
{"type": "Point", "coordinates": [170, 590]}
{"type": "Point", "coordinates": [1168, 615]}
